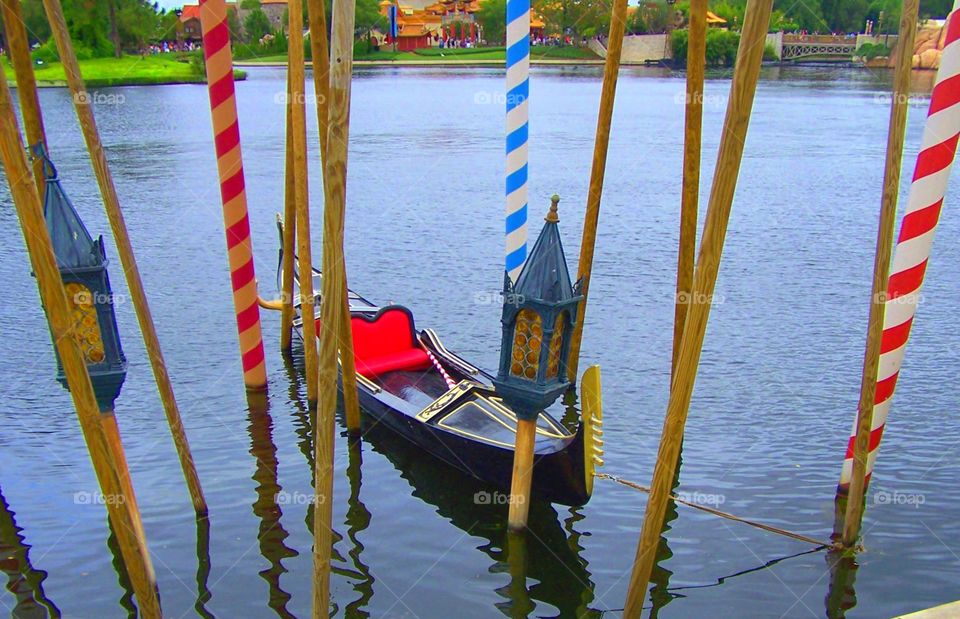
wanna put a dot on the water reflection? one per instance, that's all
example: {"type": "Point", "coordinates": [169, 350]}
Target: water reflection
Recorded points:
{"type": "Point", "coordinates": [660, 594]}
{"type": "Point", "coordinates": [546, 556]}
{"type": "Point", "coordinates": [23, 580]}
{"type": "Point", "coordinates": [271, 534]}
{"type": "Point", "coordinates": [358, 516]}
{"type": "Point", "coordinates": [123, 577]}
{"type": "Point", "coordinates": [203, 567]}
{"type": "Point", "coordinates": [841, 594]}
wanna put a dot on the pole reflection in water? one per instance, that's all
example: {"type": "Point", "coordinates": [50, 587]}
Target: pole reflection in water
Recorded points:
{"type": "Point", "coordinates": [357, 517]}
{"type": "Point", "coordinates": [660, 594]}
{"type": "Point", "coordinates": [519, 604]}
{"type": "Point", "coordinates": [841, 594]}
{"type": "Point", "coordinates": [271, 535]}
{"type": "Point", "coordinates": [23, 581]}
{"type": "Point", "coordinates": [203, 567]}
{"type": "Point", "coordinates": [123, 577]}
{"type": "Point", "coordinates": [552, 560]}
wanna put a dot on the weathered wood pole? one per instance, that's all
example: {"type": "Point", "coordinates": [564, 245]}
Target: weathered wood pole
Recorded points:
{"type": "Point", "coordinates": [111, 204]}
{"type": "Point", "coordinates": [226, 132]}
{"type": "Point", "coordinates": [108, 421]}
{"type": "Point", "coordinates": [881, 270]}
{"type": "Point", "coordinates": [746, 72]}
{"type": "Point", "coordinates": [608, 93]}
{"type": "Point", "coordinates": [19, 45]}
{"type": "Point", "coordinates": [320, 52]}
{"type": "Point", "coordinates": [693, 126]}
{"type": "Point", "coordinates": [334, 288]}
{"type": "Point", "coordinates": [289, 233]}
{"type": "Point", "coordinates": [522, 478]}
{"type": "Point", "coordinates": [124, 248]}
{"type": "Point", "coordinates": [298, 120]}
{"type": "Point", "coordinates": [53, 296]}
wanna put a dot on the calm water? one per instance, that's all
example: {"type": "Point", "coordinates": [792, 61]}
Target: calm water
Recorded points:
{"type": "Point", "coordinates": [773, 405]}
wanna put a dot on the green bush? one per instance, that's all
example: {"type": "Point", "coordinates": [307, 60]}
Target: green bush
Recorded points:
{"type": "Point", "coordinates": [770, 52]}
{"type": "Point", "coordinates": [869, 51]}
{"type": "Point", "coordinates": [721, 46]}
{"type": "Point", "coordinates": [197, 66]}
{"type": "Point", "coordinates": [47, 52]}
{"type": "Point", "coordinates": [678, 44]}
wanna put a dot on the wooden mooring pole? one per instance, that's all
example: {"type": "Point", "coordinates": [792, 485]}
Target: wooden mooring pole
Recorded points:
{"type": "Point", "coordinates": [53, 296]}
{"type": "Point", "coordinates": [320, 53]}
{"type": "Point", "coordinates": [881, 271]}
{"type": "Point", "coordinates": [588, 242]}
{"type": "Point", "coordinates": [111, 204]}
{"type": "Point", "coordinates": [289, 231]}
{"type": "Point", "coordinates": [19, 46]}
{"type": "Point", "coordinates": [745, 75]}
{"type": "Point", "coordinates": [297, 108]}
{"type": "Point", "coordinates": [693, 129]}
{"type": "Point", "coordinates": [522, 478]}
{"type": "Point", "coordinates": [334, 288]}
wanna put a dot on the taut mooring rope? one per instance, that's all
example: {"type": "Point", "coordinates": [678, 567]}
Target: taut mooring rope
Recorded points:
{"type": "Point", "coordinates": [717, 512]}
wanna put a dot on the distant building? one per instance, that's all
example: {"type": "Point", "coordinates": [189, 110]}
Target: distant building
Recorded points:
{"type": "Point", "coordinates": [190, 28]}
{"type": "Point", "coordinates": [275, 10]}
{"type": "Point", "coordinates": [425, 23]}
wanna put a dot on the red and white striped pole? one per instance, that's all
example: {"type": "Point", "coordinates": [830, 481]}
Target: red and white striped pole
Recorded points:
{"type": "Point", "coordinates": [917, 229]}
{"type": "Point", "coordinates": [226, 134]}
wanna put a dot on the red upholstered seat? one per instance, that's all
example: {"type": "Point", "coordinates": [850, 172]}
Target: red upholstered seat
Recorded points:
{"type": "Point", "coordinates": [387, 343]}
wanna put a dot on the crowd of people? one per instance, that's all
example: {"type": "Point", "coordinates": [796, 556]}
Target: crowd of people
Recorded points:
{"type": "Point", "coordinates": [165, 47]}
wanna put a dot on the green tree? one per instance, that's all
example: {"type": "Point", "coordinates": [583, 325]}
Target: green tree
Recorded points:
{"type": "Point", "coordinates": [650, 18]}
{"type": "Point", "coordinates": [844, 15]}
{"type": "Point", "coordinates": [256, 25]}
{"type": "Point", "coordinates": [493, 19]}
{"type": "Point", "coordinates": [368, 18]}
{"type": "Point", "coordinates": [936, 9]}
{"type": "Point", "coordinates": [585, 18]}
{"type": "Point", "coordinates": [38, 30]}
{"type": "Point", "coordinates": [137, 21]}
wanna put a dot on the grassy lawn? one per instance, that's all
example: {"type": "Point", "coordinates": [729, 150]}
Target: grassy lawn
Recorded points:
{"type": "Point", "coordinates": [124, 71]}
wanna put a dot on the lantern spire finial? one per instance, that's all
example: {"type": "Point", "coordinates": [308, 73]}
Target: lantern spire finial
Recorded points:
{"type": "Point", "coordinates": [553, 216]}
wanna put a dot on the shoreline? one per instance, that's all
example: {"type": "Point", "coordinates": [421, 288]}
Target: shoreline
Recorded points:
{"type": "Point", "coordinates": [432, 63]}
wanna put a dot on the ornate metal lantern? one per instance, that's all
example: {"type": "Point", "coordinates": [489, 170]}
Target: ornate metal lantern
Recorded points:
{"type": "Point", "coordinates": [83, 266]}
{"type": "Point", "coordinates": [539, 313]}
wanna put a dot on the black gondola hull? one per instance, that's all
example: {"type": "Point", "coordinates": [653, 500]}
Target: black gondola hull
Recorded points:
{"type": "Point", "coordinates": [558, 473]}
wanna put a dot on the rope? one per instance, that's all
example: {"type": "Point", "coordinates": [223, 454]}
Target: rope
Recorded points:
{"type": "Point", "coordinates": [717, 512]}
{"type": "Point", "coordinates": [450, 382]}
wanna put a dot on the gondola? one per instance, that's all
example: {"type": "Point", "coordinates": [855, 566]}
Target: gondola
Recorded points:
{"type": "Point", "coordinates": [411, 383]}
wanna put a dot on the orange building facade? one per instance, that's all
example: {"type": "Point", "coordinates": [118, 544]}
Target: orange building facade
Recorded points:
{"type": "Point", "coordinates": [441, 23]}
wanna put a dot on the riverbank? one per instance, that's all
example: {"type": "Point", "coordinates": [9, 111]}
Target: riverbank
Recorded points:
{"type": "Point", "coordinates": [123, 71]}
{"type": "Point", "coordinates": [468, 57]}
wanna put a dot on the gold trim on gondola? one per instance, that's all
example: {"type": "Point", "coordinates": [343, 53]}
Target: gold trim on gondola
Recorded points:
{"type": "Point", "coordinates": [437, 406]}
{"type": "Point", "coordinates": [478, 437]}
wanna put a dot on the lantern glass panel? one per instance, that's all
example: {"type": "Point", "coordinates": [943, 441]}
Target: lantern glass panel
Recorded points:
{"type": "Point", "coordinates": [527, 340]}
{"type": "Point", "coordinates": [556, 343]}
{"type": "Point", "coordinates": [86, 327]}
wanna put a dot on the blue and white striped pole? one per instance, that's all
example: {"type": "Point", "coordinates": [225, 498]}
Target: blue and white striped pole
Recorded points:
{"type": "Point", "coordinates": [518, 91]}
